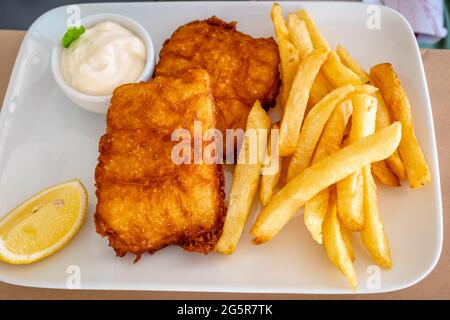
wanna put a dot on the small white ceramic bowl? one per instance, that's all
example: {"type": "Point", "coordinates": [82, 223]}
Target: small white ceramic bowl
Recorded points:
{"type": "Point", "coordinates": [100, 104]}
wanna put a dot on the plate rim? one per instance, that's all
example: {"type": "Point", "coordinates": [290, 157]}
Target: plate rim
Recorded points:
{"type": "Point", "coordinates": [273, 290]}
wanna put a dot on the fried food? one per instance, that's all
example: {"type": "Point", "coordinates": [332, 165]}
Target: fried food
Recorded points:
{"type": "Point", "coordinates": [329, 160]}
{"type": "Point", "coordinates": [145, 200]}
{"type": "Point", "coordinates": [395, 97]}
{"type": "Point", "coordinates": [329, 143]}
{"type": "Point", "coordinates": [312, 129]}
{"type": "Point", "coordinates": [394, 163]}
{"type": "Point", "coordinates": [298, 98]}
{"type": "Point", "coordinates": [321, 86]}
{"type": "Point", "coordinates": [314, 124]}
{"type": "Point", "coordinates": [372, 234]}
{"type": "Point", "coordinates": [392, 170]}
{"type": "Point", "coordinates": [348, 61]}
{"type": "Point", "coordinates": [337, 244]}
{"type": "Point", "coordinates": [289, 54]}
{"type": "Point", "coordinates": [350, 189]}
{"type": "Point", "coordinates": [321, 175]}
{"type": "Point", "coordinates": [242, 69]}
{"type": "Point", "coordinates": [383, 174]}
{"type": "Point", "coordinates": [245, 179]}
{"type": "Point", "coordinates": [299, 35]}
{"type": "Point", "coordinates": [317, 39]}
{"type": "Point", "coordinates": [269, 181]}
{"type": "Point", "coordinates": [337, 73]}
{"type": "Point", "coordinates": [346, 236]}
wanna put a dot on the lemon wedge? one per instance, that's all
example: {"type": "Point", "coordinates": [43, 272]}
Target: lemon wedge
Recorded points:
{"type": "Point", "coordinates": [43, 224]}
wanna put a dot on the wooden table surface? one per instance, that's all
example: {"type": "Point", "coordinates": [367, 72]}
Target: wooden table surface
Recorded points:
{"type": "Point", "coordinates": [435, 286]}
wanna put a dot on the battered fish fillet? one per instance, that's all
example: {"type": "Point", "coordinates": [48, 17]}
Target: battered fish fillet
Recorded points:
{"type": "Point", "coordinates": [242, 69]}
{"type": "Point", "coordinates": [146, 201]}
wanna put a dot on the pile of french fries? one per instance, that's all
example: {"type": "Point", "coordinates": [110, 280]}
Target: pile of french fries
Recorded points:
{"type": "Point", "coordinates": [340, 128]}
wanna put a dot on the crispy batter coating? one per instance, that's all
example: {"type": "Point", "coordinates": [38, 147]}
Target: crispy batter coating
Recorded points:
{"type": "Point", "coordinates": [242, 69]}
{"type": "Point", "coordinates": [145, 201]}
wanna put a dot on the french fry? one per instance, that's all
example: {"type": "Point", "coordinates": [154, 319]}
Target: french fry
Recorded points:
{"type": "Point", "coordinates": [330, 141]}
{"type": "Point", "coordinates": [289, 64]}
{"type": "Point", "coordinates": [383, 115]}
{"type": "Point", "coordinates": [319, 89]}
{"type": "Point", "coordinates": [350, 190]}
{"type": "Point", "coordinates": [317, 39]}
{"type": "Point", "coordinates": [350, 201]}
{"type": "Point", "coordinates": [281, 29]}
{"type": "Point", "coordinates": [347, 132]}
{"type": "Point", "coordinates": [269, 182]}
{"type": "Point", "coordinates": [384, 174]}
{"type": "Point", "coordinates": [372, 234]}
{"type": "Point", "coordinates": [396, 165]}
{"type": "Point", "coordinates": [335, 244]}
{"type": "Point", "coordinates": [395, 97]}
{"type": "Point", "coordinates": [299, 35]}
{"type": "Point", "coordinates": [314, 213]}
{"type": "Point", "coordinates": [321, 175]}
{"type": "Point", "coordinates": [298, 99]}
{"type": "Point", "coordinates": [320, 86]}
{"type": "Point", "coordinates": [284, 168]}
{"type": "Point", "coordinates": [394, 162]}
{"type": "Point", "coordinates": [338, 74]}
{"type": "Point", "coordinates": [312, 129]}
{"type": "Point", "coordinates": [245, 180]}
{"type": "Point", "coordinates": [289, 55]}
{"type": "Point", "coordinates": [348, 242]}
{"type": "Point", "coordinates": [348, 61]}
{"type": "Point", "coordinates": [374, 237]}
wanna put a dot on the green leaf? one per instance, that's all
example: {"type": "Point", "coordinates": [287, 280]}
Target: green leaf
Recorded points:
{"type": "Point", "coordinates": [72, 34]}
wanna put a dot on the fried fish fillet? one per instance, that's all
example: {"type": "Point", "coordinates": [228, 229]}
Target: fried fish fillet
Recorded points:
{"type": "Point", "coordinates": [242, 69]}
{"type": "Point", "coordinates": [145, 200]}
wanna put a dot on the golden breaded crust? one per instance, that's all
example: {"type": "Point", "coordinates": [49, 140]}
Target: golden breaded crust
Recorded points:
{"type": "Point", "coordinates": [186, 210]}
{"type": "Point", "coordinates": [145, 201]}
{"type": "Point", "coordinates": [164, 103]}
{"type": "Point", "coordinates": [242, 69]}
{"type": "Point", "coordinates": [136, 156]}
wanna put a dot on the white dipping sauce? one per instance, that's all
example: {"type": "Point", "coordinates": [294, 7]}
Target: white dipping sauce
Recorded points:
{"type": "Point", "coordinates": [105, 56]}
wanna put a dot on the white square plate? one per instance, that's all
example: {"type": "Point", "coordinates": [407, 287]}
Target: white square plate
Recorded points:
{"type": "Point", "coordinates": [45, 139]}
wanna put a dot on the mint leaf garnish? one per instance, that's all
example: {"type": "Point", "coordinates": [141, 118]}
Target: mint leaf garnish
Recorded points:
{"type": "Point", "coordinates": [72, 34]}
